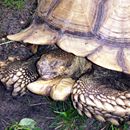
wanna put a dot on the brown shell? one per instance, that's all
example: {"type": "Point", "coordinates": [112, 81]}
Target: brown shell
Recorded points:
{"type": "Point", "coordinates": [97, 29]}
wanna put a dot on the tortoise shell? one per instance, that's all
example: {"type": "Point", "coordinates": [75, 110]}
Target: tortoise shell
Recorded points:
{"type": "Point", "coordinates": [96, 29]}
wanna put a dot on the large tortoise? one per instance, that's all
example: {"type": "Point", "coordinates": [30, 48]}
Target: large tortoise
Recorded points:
{"type": "Point", "coordinates": [98, 30]}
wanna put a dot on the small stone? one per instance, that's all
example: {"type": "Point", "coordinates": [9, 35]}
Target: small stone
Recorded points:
{"type": "Point", "coordinates": [3, 39]}
{"type": "Point", "coordinates": [11, 58]}
{"type": "Point", "coordinates": [22, 22]}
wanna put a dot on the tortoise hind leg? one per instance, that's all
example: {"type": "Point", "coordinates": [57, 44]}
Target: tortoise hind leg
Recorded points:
{"type": "Point", "coordinates": [38, 32]}
{"type": "Point", "coordinates": [96, 96]}
{"type": "Point", "coordinates": [35, 34]}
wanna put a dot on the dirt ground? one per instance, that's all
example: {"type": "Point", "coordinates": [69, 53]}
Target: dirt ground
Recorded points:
{"type": "Point", "coordinates": [29, 105]}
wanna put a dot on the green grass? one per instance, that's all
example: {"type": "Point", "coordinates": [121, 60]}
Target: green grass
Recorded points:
{"type": "Point", "coordinates": [67, 118]}
{"type": "Point", "coordinates": [123, 127]}
{"type": "Point", "coordinates": [18, 4]}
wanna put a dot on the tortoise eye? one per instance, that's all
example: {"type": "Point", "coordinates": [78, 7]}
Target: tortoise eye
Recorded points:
{"type": "Point", "coordinates": [61, 68]}
{"type": "Point", "coordinates": [53, 63]}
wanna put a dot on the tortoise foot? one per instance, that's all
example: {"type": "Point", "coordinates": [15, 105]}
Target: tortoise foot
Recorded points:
{"type": "Point", "coordinates": [62, 90]}
{"type": "Point", "coordinates": [58, 89]}
{"type": "Point", "coordinates": [35, 34]}
{"type": "Point", "coordinates": [42, 87]}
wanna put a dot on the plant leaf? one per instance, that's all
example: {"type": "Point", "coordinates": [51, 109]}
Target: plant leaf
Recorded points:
{"type": "Point", "coordinates": [28, 123]}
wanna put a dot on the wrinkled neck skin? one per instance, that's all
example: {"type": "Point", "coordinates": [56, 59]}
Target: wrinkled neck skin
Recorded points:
{"type": "Point", "coordinates": [41, 50]}
{"type": "Point", "coordinates": [109, 78]}
{"type": "Point", "coordinates": [79, 67]}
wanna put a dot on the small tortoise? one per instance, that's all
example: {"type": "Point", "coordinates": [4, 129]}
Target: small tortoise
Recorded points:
{"type": "Point", "coordinates": [98, 30]}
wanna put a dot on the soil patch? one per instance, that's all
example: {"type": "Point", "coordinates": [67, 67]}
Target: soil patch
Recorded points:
{"type": "Point", "coordinates": [29, 105]}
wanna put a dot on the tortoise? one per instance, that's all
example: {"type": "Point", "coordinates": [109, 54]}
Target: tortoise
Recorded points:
{"type": "Point", "coordinates": [58, 71]}
{"type": "Point", "coordinates": [97, 30]}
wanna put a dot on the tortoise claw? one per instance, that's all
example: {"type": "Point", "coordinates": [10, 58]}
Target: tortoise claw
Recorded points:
{"type": "Point", "coordinates": [58, 88]}
{"type": "Point", "coordinates": [42, 87]}
{"type": "Point", "coordinates": [61, 91]}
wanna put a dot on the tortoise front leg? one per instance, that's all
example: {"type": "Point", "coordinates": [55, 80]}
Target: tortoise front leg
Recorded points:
{"type": "Point", "coordinates": [18, 74]}
{"type": "Point", "coordinates": [58, 89]}
{"type": "Point", "coordinates": [97, 96]}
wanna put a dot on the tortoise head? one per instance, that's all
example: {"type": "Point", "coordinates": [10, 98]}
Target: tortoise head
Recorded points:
{"type": "Point", "coordinates": [54, 64]}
